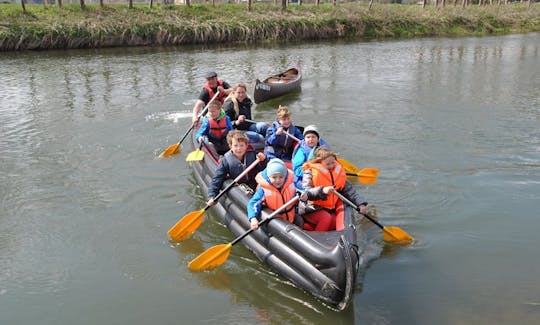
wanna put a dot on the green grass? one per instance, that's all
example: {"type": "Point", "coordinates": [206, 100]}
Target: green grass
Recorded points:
{"type": "Point", "coordinates": [43, 27]}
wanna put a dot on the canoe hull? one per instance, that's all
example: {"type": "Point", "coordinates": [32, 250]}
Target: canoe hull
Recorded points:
{"type": "Point", "coordinates": [277, 85]}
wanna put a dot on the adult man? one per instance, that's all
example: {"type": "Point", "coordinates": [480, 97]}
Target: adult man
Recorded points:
{"type": "Point", "coordinates": [212, 85]}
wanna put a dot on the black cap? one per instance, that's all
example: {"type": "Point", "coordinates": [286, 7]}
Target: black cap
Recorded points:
{"type": "Point", "coordinates": [211, 74]}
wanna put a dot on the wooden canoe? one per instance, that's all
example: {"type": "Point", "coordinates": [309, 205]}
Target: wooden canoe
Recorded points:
{"type": "Point", "coordinates": [277, 85]}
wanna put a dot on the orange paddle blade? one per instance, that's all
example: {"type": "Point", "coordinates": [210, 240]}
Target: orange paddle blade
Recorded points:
{"type": "Point", "coordinates": [368, 175]}
{"type": "Point", "coordinates": [196, 155]}
{"type": "Point", "coordinates": [349, 167]}
{"type": "Point", "coordinates": [211, 258]}
{"type": "Point", "coordinates": [171, 150]}
{"type": "Point", "coordinates": [396, 235]}
{"type": "Point", "coordinates": [186, 226]}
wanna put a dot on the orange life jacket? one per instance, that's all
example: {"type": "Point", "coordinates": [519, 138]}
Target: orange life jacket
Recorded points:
{"type": "Point", "coordinates": [218, 129]}
{"type": "Point", "coordinates": [324, 177]}
{"type": "Point", "coordinates": [275, 199]}
{"type": "Point", "coordinates": [211, 93]}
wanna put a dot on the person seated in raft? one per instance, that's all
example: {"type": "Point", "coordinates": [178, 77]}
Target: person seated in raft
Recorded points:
{"type": "Point", "coordinates": [304, 151]}
{"type": "Point", "coordinates": [238, 107]}
{"type": "Point", "coordinates": [275, 188]}
{"type": "Point", "coordinates": [278, 143]}
{"type": "Point", "coordinates": [215, 126]}
{"type": "Point", "coordinates": [233, 163]}
{"type": "Point", "coordinates": [322, 176]}
{"type": "Point", "coordinates": [210, 88]}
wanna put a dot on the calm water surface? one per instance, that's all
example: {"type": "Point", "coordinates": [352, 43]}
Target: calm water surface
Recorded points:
{"type": "Point", "coordinates": [452, 124]}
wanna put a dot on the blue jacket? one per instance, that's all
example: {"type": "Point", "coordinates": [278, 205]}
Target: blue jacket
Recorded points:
{"type": "Point", "coordinates": [204, 130]}
{"type": "Point", "coordinates": [230, 167]}
{"type": "Point", "coordinates": [301, 154]}
{"type": "Point", "coordinates": [255, 204]}
{"type": "Point", "coordinates": [281, 146]}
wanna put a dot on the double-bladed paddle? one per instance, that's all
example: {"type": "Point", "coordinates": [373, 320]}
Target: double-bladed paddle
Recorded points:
{"type": "Point", "coordinates": [191, 221]}
{"type": "Point", "coordinates": [175, 148]}
{"type": "Point", "coordinates": [394, 235]}
{"type": "Point", "coordinates": [217, 255]}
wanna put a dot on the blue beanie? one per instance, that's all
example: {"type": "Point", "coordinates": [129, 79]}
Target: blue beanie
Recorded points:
{"type": "Point", "coordinates": [276, 166]}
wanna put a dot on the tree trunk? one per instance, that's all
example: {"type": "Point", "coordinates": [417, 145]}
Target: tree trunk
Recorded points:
{"type": "Point", "coordinates": [283, 5]}
{"type": "Point", "coordinates": [59, 3]}
{"type": "Point", "coordinates": [370, 4]}
{"type": "Point", "coordinates": [249, 5]}
{"type": "Point", "coordinates": [213, 3]}
{"type": "Point", "coordinates": [423, 3]}
{"type": "Point", "coordinates": [23, 6]}
{"type": "Point", "coordinates": [101, 4]}
{"type": "Point", "coordinates": [82, 4]}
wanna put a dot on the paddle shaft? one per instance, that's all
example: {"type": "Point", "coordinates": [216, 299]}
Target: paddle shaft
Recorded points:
{"type": "Point", "coordinates": [198, 117]}
{"type": "Point", "coordinates": [344, 199]}
{"type": "Point", "coordinates": [270, 217]}
{"type": "Point", "coordinates": [239, 177]}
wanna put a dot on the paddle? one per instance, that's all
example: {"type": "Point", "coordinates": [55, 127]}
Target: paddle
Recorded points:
{"type": "Point", "coordinates": [196, 155]}
{"type": "Point", "coordinates": [217, 255]}
{"type": "Point", "coordinates": [191, 221]}
{"type": "Point", "coordinates": [390, 234]}
{"type": "Point", "coordinates": [175, 148]}
{"type": "Point", "coordinates": [365, 176]}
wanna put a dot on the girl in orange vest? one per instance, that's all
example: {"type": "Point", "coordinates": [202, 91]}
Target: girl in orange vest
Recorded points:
{"type": "Point", "coordinates": [322, 176]}
{"type": "Point", "coordinates": [276, 187]}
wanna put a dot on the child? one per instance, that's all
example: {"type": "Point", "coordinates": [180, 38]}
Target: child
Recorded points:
{"type": "Point", "coordinates": [322, 176]}
{"type": "Point", "coordinates": [216, 124]}
{"type": "Point", "coordinates": [304, 151]}
{"type": "Point", "coordinates": [234, 162]}
{"type": "Point", "coordinates": [275, 188]}
{"type": "Point", "coordinates": [278, 143]}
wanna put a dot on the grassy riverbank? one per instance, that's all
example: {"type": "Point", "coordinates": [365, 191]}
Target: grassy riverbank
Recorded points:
{"type": "Point", "coordinates": [51, 27]}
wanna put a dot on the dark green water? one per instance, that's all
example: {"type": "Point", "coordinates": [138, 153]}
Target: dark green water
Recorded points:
{"type": "Point", "coordinates": [452, 124]}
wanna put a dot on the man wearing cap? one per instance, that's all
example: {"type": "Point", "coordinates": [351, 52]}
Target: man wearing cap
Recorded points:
{"type": "Point", "coordinates": [212, 85]}
{"type": "Point", "coordinates": [304, 151]}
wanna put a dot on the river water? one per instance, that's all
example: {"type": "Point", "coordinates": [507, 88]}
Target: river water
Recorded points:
{"type": "Point", "coordinates": [452, 124]}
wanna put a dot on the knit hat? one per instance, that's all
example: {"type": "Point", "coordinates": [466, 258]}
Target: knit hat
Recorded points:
{"type": "Point", "coordinates": [210, 74]}
{"type": "Point", "coordinates": [276, 166]}
{"type": "Point", "coordinates": [311, 129]}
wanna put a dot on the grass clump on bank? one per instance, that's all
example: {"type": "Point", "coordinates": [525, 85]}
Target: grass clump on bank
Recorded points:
{"type": "Point", "coordinates": [51, 27]}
